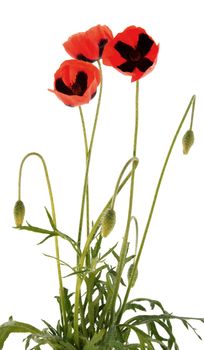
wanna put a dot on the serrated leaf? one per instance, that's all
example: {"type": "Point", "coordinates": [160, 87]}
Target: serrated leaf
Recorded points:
{"type": "Point", "coordinates": [15, 327]}
{"type": "Point", "coordinates": [134, 306]}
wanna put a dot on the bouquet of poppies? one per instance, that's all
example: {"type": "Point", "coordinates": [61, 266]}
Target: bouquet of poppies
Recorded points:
{"type": "Point", "coordinates": [99, 312]}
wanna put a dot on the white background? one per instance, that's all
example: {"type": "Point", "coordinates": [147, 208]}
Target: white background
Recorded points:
{"type": "Point", "coordinates": [32, 119]}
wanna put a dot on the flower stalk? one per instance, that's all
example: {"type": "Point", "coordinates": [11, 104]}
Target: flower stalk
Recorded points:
{"type": "Point", "coordinates": [125, 238]}
{"type": "Point", "coordinates": [88, 162]}
{"type": "Point", "coordinates": [191, 104]}
{"type": "Point", "coordinates": [61, 290]}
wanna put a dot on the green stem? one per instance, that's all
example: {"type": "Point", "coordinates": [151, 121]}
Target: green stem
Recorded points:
{"type": "Point", "coordinates": [87, 217]}
{"type": "Point", "coordinates": [192, 102]}
{"type": "Point", "coordinates": [192, 111]}
{"type": "Point", "coordinates": [88, 161]}
{"type": "Point", "coordinates": [87, 190]}
{"type": "Point", "coordinates": [79, 281]}
{"type": "Point", "coordinates": [133, 159]}
{"type": "Point", "coordinates": [61, 290]}
{"type": "Point", "coordinates": [124, 247]}
{"type": "Point", "coordinates": [85, 250]}
{"type": "Point", "coordinates": [133, 218]}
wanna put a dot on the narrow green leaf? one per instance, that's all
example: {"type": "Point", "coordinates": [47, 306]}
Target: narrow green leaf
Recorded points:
{"type": "Point", "coordinates": [116, 255]}
{"type": "Point", "coordinates": [108, 252]}
{"type": "Point", "coordinates": [50, 220]}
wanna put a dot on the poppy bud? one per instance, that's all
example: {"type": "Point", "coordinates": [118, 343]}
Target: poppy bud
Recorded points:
{"type": "Point", "coordinates": [188, 140]}
{"type": "Point", "coordinates": [19, 213]}
{"type": "Point", "coordinates": [130, 275]}
{"type": "Point", "coordinates": [108, 222]}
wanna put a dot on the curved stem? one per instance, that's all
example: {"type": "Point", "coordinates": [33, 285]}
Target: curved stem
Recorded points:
{"type": "Point", "coordinates": [133, 218]}
{"type": "Point", "coordinates": [61, 290]}
{"type": "Point", "coordinates": [124, 247]}
{"type": "Point", "coordinates": [192, 102]}
{"type": "Point", "coordinates": [133, 159]}
{"type": "Point", "coordinates": [193, 110]}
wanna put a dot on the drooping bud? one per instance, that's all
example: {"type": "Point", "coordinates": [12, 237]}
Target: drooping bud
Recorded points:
{"type": "Point", "coordinates": [129, 275]}
{"type": "Point", "coordinates": [19, 213]}
{"type": "Point", "coordinates": [108, 222]}
{"type": "Point", "coordinates": [188, 140]}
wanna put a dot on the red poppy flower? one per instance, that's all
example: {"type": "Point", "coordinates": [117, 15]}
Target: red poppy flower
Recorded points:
{"type": "Point", "coordinates": [133, 52]}
{"type": "Point", "coordinates": [88, 46]}
{"type": "Point", "coordinates": [76, 82]}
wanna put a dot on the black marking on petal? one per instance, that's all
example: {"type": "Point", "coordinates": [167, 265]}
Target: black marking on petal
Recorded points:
{"type": "Point", "coordinates": [61, 87]}
{"type": "Point", "coordinates": [101, 45]}
{"type": "Point", "coordinates": [77, 88]}
{"type": "Point", "coordinates": [84, 58]}
{"type": "Point", "coordinates": [94, 94]}
{"type": "Point", "coordinates": [128, 66]}
{"type": "Point", "coordinates": [144, 44]}
{"type": "Point", "coordinates": [144, 64]}
{"type": "Point", "coordinates": [124, 50]}
{"type": "Point", "coordinates": [80, 85]}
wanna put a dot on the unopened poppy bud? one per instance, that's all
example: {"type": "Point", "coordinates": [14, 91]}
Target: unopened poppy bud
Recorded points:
{"type": "Point", "coordinates": [130, 275]}
{"type": "Point", "coordinates": [19, 213]}
{"type": "Point", "coordinates": [108, 222]}
{"type": "Point", "coordinates": [188, 140]}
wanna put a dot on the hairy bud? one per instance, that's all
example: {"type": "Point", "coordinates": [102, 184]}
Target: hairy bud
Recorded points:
{"type": "Point", "coordinates": [19, 213]}
{"type": "Point", "coordinates": [188, 140]}
{"type": "Point", "coordinates": [129, 275]}
{"type": "Point", "coordinates": [108, 222]}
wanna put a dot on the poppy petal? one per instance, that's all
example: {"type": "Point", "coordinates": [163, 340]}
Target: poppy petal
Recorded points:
{"type": "Point", "coordinates": [132, 52]}
{"type": "Point", "coordinates": [76, 82]}
{"type": "Point", "coordinates": [88, 46]}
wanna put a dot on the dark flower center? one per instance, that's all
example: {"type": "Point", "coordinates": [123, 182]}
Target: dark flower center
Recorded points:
{"type": "Point", "coordinates": [135, 56]}
{"type": "Point", "coordinates": [77, 88]}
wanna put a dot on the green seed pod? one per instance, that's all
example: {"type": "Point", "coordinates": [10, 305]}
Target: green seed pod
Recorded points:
{"type": "Point", "coordinates": [188, 140]}
{"type": "Point", "coordinates": [130, 275]}
{"type": "Point", "coordinates": [108, 222]}
{"type": "Point", "coordinates": [19, 213]}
